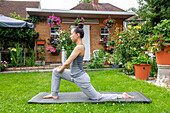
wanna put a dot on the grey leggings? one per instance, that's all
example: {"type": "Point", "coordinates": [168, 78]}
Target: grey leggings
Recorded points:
{"type": "Point", "coordinates": [83, 82]}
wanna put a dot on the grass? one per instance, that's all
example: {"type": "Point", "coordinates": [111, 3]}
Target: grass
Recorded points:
{"type": "Point", "coordinates": [16, 89]}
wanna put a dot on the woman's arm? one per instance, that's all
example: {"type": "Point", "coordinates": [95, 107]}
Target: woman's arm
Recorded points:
{"type": "Point", "coordinates": [73, 55]}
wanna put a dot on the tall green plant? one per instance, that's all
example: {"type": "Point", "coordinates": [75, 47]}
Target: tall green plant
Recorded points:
{"type": "Point", "coordinates": [17, 55]}
{"type": "Point", "coordinates": [30, 60]}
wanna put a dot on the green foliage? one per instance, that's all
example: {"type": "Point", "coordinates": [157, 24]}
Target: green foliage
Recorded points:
{"type": "Point", "coordinates": [153, 11]}
{"type": "Point", "coordinates": [42, 53]}
{"type": "Point", "coordinates": [129, 68]}
{"type": "Point", "coordinates": [30, 60]}
{"type": "Point", "coordinates": [18, 17]}
{"type": "Point", "coordinates": [97, 60]}
{"type": "Point", "coordinates": [9, 37]}
{"type": "Point", "coordinates": [66, 42]}
{"type": "Point", "coordinates": [17, 56]}
{"type": "Point", "coordinates": [79, 20]}
{"type": "Point", "coordinates": [141, 59]}
{"type": "Point", "coordinates": [128, 43]}
{"type": "Point", "coordinates": [36, 19]}
{"type": "Point", "coordinates": [85, 1]}
{"type": "Point", "coordinates": [160, 36]}
{"type": "Point", "coordinates": [154, 68]}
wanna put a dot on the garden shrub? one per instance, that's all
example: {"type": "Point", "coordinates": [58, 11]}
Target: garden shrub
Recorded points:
{"type": "Point", "coordinates": [97, 59]}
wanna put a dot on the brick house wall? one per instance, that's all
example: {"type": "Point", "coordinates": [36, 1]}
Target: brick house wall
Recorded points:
{"type": "Point", "coordinates": [44, 33]}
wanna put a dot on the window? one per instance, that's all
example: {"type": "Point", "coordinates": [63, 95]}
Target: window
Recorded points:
{"type": "Point", "coordinates": [104, 33]}
{"type": "Point", "coordinates": [53, 31]}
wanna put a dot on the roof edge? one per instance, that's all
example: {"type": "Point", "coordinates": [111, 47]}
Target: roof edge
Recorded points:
{"type": "Point", "coordinates": [79, 11]}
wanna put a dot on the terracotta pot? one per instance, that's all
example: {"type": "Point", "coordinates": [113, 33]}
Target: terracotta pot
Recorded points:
{"type": "Point", "coordinates": [40, 42]}
{"type": "Point", "coordinates": [142, 71]}
{"type": "Point", "coordinates": [163, 57]}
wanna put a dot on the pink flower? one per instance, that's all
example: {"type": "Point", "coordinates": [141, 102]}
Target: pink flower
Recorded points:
{"type": "Point", "coordinates": [1, 61]}
{"type": "Point", "coordinates": [106, 27]}
{"type": "Point", "coordinates": [156, 41]}
{"type": "Point", "coordinates": [5, 66]}
{"type": "Point", "coordinates": [51, 19]}
{"type": "Point", "coordinates": [160, 40]}
{"type": "Point", "coordinates": [52, 25]}
{"type": "Point", "coordinates": [48, 23]}
{"type": "Point", "coordinates": [50, 16]}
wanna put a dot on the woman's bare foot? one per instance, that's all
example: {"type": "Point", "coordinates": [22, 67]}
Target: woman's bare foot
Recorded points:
{"type": "Point", "coordinates": [125, 95]}
{"type": "Point", "coordinates": [50, 96]}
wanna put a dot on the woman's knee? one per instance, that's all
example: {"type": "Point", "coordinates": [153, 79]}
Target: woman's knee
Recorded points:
{"type": "Point", "coordinates": [55, 72]}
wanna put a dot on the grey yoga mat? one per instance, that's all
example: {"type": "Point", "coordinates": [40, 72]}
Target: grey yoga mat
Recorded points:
{"type": "Point", "coordinates": [80, 97]}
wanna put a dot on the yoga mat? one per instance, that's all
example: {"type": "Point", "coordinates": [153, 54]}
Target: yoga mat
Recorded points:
{"type": "Point", "coordinates": [80, 97]}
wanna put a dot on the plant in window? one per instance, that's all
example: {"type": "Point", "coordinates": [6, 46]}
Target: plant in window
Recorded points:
{"type": "Point", "coordinates": [109, 22]}
{"type": "Point", "coordinates": [79, 20]}
{"type": "Point", "coordinates": [52, 20]}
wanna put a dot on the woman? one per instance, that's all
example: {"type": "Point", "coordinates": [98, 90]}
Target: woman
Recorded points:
{"type": "Point", "coordinates": [77, 74]}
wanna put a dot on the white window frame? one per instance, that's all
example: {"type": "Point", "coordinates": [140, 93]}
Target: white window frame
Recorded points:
{"type": "Point", "coordinates": [53, 34]}
{"type": "Point", "coordinates": [104, 34]}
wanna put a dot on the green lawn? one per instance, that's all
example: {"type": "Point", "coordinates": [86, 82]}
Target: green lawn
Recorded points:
{"type": "Point", "coordinates": [17, 89]}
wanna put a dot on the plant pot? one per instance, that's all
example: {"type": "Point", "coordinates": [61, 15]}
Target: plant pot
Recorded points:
{"type": "Point", "coordinates": [142, 71]}
{"type": "Point", "coordinates": [163, 57]}
{"type": "Point", "coordinates": [115, 66]}
{"type": "Point", "coordinates": [106, 63]}
{"type": "Point", "coordinates": [41, 42]}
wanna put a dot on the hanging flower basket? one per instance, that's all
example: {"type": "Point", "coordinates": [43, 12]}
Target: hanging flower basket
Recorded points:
{"type": "Point", "coordinates": [53, 21]}
{"type": "Point", "coordinates": [109, 22]}
{"type": "Point", "coordinates": [79, 20]}
{"type": "Point", "coordinates": [53, 50]}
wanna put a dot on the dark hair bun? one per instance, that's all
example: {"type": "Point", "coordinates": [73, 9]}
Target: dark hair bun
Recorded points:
{"type": "Point", "coordinates": [80, 25]}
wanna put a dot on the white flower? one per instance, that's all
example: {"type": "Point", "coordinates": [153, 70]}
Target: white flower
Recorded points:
{"type": "Point", "coordinates": [63, 38]}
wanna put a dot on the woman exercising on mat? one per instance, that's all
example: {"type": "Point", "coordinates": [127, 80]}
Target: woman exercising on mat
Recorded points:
{"type": "Point", "coordinates": [77, 74]}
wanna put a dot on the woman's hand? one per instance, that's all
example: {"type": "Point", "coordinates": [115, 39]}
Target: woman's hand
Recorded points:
{"type": "Point", "coordinates": [59, 69]}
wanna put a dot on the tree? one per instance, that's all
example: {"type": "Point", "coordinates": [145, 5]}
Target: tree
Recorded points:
{"type": "Point", "coordinates": [153, 11]}
{"type": "Point", "coordinates": [85, 1]}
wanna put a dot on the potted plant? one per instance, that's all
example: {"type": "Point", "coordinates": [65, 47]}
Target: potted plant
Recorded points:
{"type": "Point", "coordinates": [41, 41]}
{"type": "Point", "coordinates": [53, 21]}
{"type": "Point", "coordinates": [160, 42]}
{"type": "Point", "coordinates": [109, 22]}
{"type": "Point", "coordinates": [79, 20]}
{"type": "Point", "coordinates": [142, 65]}
{"type": "Point", "coordinates": [53, 50]}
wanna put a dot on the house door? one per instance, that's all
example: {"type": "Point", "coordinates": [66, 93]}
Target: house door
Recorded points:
{"type": "Point", "coordinates": [86, 41]}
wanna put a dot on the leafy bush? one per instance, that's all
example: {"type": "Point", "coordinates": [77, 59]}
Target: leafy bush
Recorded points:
{"type": "Point", "coordinates": [128, 43]}
{"type": "Point", "coordinates": [66, 42]}
{"type": "Point", "coordinates": [141, 59]}
{"type": "Point", "coordinates": [97, 60]}
{"type": "Point", "coordinates": [161, 36]}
